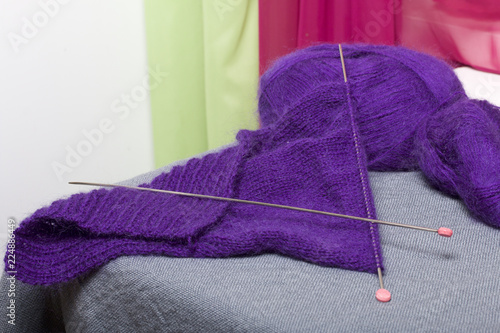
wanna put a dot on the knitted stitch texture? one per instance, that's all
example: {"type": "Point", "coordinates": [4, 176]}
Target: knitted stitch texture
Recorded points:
{"type": "Point", "coordinates": [307, 159]}
{"type": "Point", "coordinates": [402, 110]}
{"type": "Point", "coordinates": [412, 113]}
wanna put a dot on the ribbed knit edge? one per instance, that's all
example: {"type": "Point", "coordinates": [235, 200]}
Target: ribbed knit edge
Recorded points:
{"type": "Point", "coordinates": [85, 231]}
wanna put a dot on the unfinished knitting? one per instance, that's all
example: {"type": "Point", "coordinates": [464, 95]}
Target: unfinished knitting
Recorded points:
{"type": "Point", "coordinates": [400, 110]}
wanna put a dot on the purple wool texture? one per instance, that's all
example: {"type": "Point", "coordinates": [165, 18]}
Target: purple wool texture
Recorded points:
{"type": "Point", "coordinates": [411, 111]}
{"type": "Point", "coordinates": [400, 110]}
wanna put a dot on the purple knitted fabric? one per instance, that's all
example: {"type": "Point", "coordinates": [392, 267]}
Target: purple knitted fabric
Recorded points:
{"type": "Point", "coordinates": [412, 113]}
{"type": "Point", "coordinates": [406, 111]}
{"type": "Point", "coordinates": [306, 159]}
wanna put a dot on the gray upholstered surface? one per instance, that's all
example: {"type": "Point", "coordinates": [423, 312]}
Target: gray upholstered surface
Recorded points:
{"type": "Point", "coordinates": [437, 284]}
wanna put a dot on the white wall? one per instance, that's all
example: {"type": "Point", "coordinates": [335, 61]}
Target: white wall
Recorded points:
{"type": "Point", "coordinates": [67, 67]}
{"type": "Point", "coordinates": [480, 85]}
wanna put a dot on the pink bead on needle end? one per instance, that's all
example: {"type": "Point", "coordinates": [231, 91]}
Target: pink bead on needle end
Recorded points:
{"type": "Point", "coordinates": [445, 232]}
{"type": "Point", "coordinates": [383, 295]}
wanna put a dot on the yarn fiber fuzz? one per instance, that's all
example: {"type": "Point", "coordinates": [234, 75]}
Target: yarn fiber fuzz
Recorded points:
{"type": "Point", "coordinates": [411, 111]}
{"type": "Point", "coordinates": [401, 110]}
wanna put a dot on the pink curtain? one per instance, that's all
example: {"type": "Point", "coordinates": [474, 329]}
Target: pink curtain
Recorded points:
{"type": "Point", "coordinates": [459, 31]}
{"type": "Point", "coordinates": [285, 25]}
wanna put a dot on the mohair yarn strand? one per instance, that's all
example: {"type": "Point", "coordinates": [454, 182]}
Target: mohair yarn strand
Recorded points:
{"type": "Point", "coordinates": [412, 113]}
{"type": "Point", "coordinates": [408, 111]}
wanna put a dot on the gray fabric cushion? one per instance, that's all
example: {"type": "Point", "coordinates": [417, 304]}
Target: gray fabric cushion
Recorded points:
{"type": "Point", "coordinates": [437, 284]}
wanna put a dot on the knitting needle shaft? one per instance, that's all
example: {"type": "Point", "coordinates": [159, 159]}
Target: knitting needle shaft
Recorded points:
{"type": "Point", "coordinates": [258, 203]}
{"type": "Point", "coordinates": [382, 295]}
{"type": "Point", "coordinates": [343, 64]}
{"type": "Point", "coordinates": [379, 272]}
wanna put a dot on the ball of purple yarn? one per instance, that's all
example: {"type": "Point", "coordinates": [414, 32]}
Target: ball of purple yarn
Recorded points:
{"type": "Point", "coordinates": [412, 113]}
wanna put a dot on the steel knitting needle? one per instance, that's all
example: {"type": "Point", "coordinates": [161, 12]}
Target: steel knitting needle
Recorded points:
{"type": "Point", "coordinates": [343, 64]}
{"type": "Point", "coordinates": [382, 295]}
{"type": "Point", "coordinates": [441, 231]}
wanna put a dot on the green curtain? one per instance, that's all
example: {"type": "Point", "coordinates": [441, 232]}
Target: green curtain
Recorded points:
{"type": "Point", "coordinates": [209, 52]}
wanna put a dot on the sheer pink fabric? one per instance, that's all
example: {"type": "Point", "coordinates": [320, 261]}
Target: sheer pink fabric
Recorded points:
{"type": "Point", "coordinates": [459, 31]}
{"type": "Point", "coordinates": [285, 25]}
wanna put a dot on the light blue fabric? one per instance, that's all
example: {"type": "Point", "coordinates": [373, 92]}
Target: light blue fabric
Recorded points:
{"type": "Point", "coordinates": [437, 284]}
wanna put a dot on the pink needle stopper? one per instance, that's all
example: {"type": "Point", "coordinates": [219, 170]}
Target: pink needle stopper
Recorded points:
{"type": "Point", "coordinates": [445, 232]}
{"type": "Point", "coordinates": [383, 295]}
